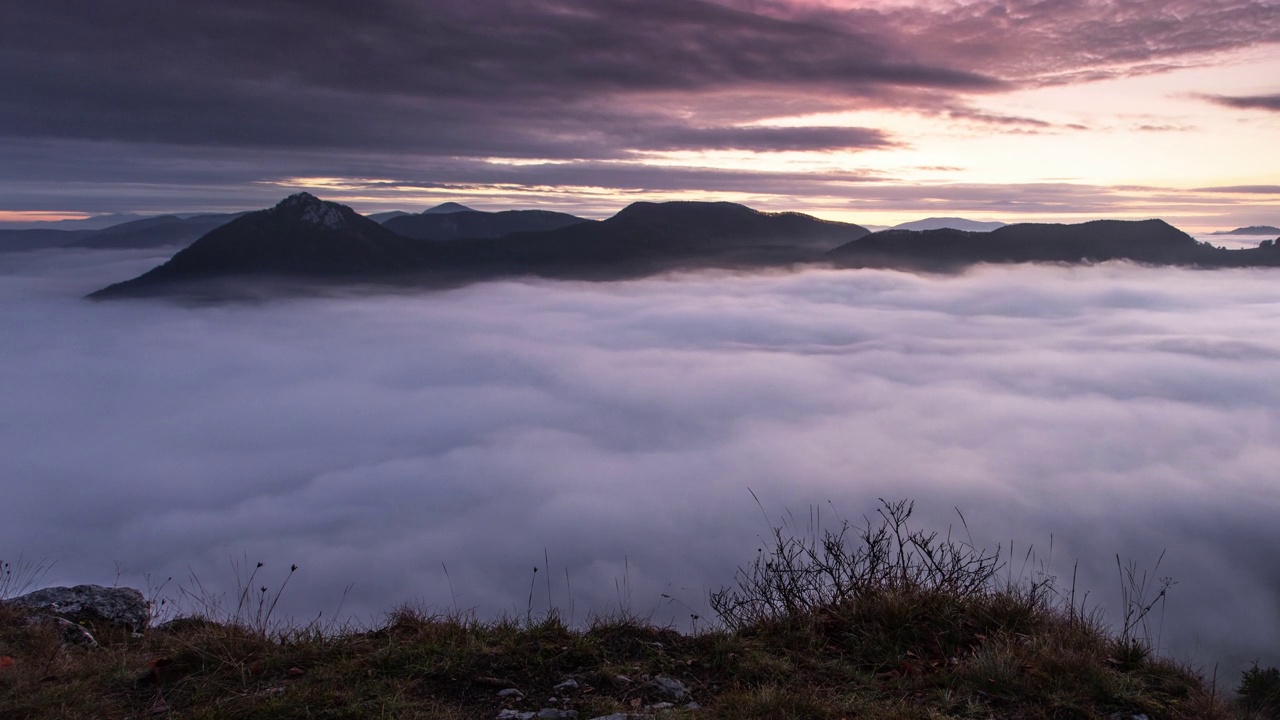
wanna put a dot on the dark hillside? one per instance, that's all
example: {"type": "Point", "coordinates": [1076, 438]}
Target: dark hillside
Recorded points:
{"type": "Point", "coordinates": [1147, 241]}
{"type": "Point", "coordinates": [434, 225]}
{"type": "Point", "coordinates": [302, 236]}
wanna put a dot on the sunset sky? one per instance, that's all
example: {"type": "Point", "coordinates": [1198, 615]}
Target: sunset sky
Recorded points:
{"type": "Point", "coordinates": [872, 112]}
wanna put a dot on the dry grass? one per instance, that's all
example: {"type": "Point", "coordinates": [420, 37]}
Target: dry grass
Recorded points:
{"type": "Point", "coordinates": [933, 644]}
{"type": "Point", "coordinates": [889, 657]}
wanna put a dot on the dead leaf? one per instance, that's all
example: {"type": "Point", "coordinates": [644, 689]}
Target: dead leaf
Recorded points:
{"type": "Point", "coordinates": [6, 662]}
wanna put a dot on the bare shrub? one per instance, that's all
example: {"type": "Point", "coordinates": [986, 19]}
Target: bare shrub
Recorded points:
{"type": "Point", "coordinates": [805, 572]}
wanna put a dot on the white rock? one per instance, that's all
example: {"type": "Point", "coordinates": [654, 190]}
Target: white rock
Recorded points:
{"type": "Point", "coordinates": [569, 685]}
{"type": "Point", "coordinates": [670, 687]}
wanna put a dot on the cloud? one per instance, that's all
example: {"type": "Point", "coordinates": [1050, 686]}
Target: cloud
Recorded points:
{"type": "Point", "coordinates": [157, 179]}
{"type": "Point", "coordinates": [1048, 42]}
{"type": "Point", "coordinates": [371, 438]}
{"type": "Point", "coordinates": [202, 105]}
{"type": "Point", "coordinates": [763, 139]}
{"type": "Point", "coordinates": [568, 78]}
{"type": "Point", "coordinates": [1243, 189]}
{"type": "Point", "coordinates": [1247, 102]}
{"type": "Point", "coordinates": [1164, 128]}
{"type": "Point", "coordinates": [498, 78]}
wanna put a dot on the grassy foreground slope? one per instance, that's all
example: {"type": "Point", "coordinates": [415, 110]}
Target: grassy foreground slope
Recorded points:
{"type": "Point", "coordinates": [865, 622]}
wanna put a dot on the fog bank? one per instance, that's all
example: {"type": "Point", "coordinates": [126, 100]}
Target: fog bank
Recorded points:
{"type": "Point", "coordinates": [618, 426]}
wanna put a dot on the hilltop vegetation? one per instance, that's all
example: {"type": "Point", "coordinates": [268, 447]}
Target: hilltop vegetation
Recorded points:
{"type": "Point", "coordinates": [877, 622]}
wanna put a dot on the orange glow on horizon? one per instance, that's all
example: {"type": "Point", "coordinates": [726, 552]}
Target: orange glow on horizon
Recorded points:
{"type": "Point", "coordinates": [26, 216]}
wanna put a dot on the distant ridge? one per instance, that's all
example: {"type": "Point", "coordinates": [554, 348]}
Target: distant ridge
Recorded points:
{"type": "Point", "coordinates": [1251, 230]}
{"type": "Point", "coordinates": [646, 238]}
{"type": "Point", "coordinates": [452, 224]}
{"type": "Point", "coordinates": [446, 208]}
{"type": "Point", "coordinates": [152, 232]}
{"type": "Point", "coordinates": [302, 236]}
{"type": "Point", "coordinates": [1146, 241]}
{"type": "Point", "coordinates": [382, 217]}
{"type": "Point", "coordinates": [96, 222]}
{"type": "Point", "coordinates": [952, 223]}
{"type": "Point", "coordinates": [306, 239]}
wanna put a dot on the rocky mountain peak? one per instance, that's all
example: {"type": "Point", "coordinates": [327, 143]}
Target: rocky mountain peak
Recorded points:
{"type": "Point", "coordinates": [298, 200]}
{"type": "Point", "coordinates": [313, 211]}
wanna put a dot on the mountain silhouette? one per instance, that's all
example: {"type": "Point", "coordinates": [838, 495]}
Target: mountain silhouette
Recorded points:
{"type": "Point", "coordinates": [160, 231]}
{"type": "Point", "coordinates": [1147, 241]}
{"type": "Point", "coordinates": [953, 223]}
{"type": "Point", "coordinates": [382, 217]}
{"type": "Point", "coordinates": [646, 238]}
{"type": "Point", "coordinates": [1251, 230]}
{"type": "Point", "coordinates": [446, 208]}
{"type": "Point", "coordinates": [304, 238]}
{"type": "Point", "coordinates": [436, 224]}
{"type": "Point", "coordinates": [301, 237]}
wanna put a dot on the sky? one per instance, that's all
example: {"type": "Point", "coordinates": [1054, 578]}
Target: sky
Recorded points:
{"type": "Point", "coordinates": [870, 112]}
{"type": "Point", "coordinates": [626, 429]}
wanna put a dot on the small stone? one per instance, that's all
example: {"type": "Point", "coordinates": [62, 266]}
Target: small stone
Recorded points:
{"type": "Point", "coordinates": [569, 685]}
{"type": "Point", "coordinates": [510, 692]}
{"type": "Point", "coordinates": [693, 706]}
{"type": "Point", "coordinates": [554, 714]}
{"type": "Point", "coordinates": [659, 706]}
{"type": "Point", "coordinates": [515, 715]}
{"type": "Point", "coordinates": [670, 687]}
{"type": "Point", "coordinates": [615, 716]}
{"type": "Point", "coordinates": [622, 679]}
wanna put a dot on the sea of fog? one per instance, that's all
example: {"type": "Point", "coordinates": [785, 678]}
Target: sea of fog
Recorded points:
{"type": "Point", "coordinates": [624, 431]}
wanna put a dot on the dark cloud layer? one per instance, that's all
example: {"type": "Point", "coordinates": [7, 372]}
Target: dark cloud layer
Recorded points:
{"type": "Point", "coordinates": [1244, 189]}
{"type": "Point", "coordinates": [1056, 41]}
{"type": "Point", "coordinates": [619, 426]}
{"type": "Point", "coordinates": [762, 139]}
{"type": "Point", "coordinates": [561, 79]}
{"type": "Point", "coordinates": [1247, 102]}
{"type": "Point", "coordinates": [498, 77]}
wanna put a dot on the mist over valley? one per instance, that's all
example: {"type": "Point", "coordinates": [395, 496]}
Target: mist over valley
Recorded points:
{"type": "Point", "coordinates": [622, 427]}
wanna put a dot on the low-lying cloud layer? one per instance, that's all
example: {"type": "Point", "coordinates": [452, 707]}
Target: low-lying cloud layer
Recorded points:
{"type": "Point", "coordinates": [374, 439]}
